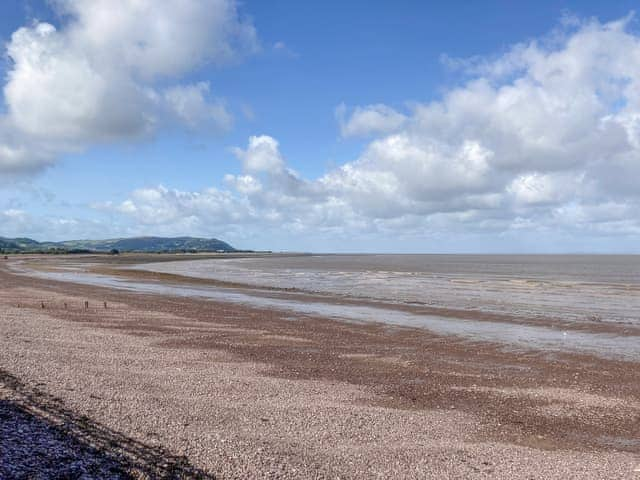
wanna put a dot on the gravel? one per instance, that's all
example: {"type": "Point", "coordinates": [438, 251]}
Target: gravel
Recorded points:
{"type": "Point", "coordinates": [128, 392]}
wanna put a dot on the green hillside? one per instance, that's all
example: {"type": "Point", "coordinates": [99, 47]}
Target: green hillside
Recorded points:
{"type": "Point", "coordinates": [136, 244]}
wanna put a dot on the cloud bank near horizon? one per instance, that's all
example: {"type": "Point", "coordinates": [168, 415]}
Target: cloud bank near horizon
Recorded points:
{"type": "Point", "coordinates": [544, 138]}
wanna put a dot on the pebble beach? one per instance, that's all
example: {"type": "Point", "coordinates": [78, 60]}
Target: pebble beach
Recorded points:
{"type": "Point", "coordinates": [150, 386]}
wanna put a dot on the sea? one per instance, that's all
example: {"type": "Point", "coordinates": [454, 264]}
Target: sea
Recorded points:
{"type": "Point", "coordinates": [588, 304]}
{"type": "Point", "coordinates": [601, 288]}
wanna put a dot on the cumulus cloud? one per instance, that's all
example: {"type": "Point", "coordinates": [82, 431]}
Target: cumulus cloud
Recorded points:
{"type": "Point", "coordinates": [167, 38]}
{"type": "Point", "coordinates": [546, 188]}
{"type": "Point", "coordinates": [191, 106]}
{"type": "Point", "coordinates": [20, 223]}
{"type": "Point", "coordinates": [262, 155]}
{"type": "Point", "coordinates": [543, 138]}
{"type": "Point", "coordinates": [96, 78]}
{"type": "Point", "coordinates": [369, 120]}
{"type": "Point", "coordinates": [17, 155]}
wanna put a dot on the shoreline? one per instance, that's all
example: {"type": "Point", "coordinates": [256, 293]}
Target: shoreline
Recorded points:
{"type": "Point", "coordinates": [565, 413]}
{"type": "Point", "coordinates": [618, 340]}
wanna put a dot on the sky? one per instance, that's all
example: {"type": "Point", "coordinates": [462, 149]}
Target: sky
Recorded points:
{"type": "Point", "coordinates": [360, 126]}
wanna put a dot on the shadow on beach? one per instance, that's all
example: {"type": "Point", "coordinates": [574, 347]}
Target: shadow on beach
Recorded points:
{"type": "Point", "coordinates": [41, 439]}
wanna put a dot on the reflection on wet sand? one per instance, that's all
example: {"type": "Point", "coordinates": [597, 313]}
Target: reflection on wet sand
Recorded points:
{"type": "Point", "coordinates": [509, 334]}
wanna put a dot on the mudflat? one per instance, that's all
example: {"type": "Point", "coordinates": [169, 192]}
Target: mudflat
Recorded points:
{"type": "Point", "coordinates": [158, 386]}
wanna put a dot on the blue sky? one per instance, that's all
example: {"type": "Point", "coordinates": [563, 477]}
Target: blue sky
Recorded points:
{"type": "Point", "coordinates": [316, 128]}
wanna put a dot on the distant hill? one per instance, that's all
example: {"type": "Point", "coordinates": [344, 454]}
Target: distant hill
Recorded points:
{"type": "Point", "coordinates": [17, 243]}
{"type": "Point", "coordinates": [136, 244]}
{"type": "Point", "coordinates": [6, 244]}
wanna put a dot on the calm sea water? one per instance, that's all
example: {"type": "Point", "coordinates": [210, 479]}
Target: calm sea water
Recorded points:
{"type": "Point", "coordinates": [566, 287]}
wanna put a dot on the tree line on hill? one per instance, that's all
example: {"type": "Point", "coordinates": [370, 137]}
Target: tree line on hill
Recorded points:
{"type": "Point", "coordinates": [117, 245]}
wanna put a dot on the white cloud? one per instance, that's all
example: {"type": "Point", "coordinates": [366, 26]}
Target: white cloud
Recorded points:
{"type": "Point", "coordinates": [545, 189]}
{"type": "Point", "coordinates": [167, 38]}
{"type": "Point", "coordinates": [16, 157]}
{"type": "Point", "coordinates": [369, 120]}
{"type": "Point", "coordinates": [162, 206]}
{"type": "Point", "coordinates": [55, 93]}
{"type": "Point", "coordinates": [545, 138]}
{"type": "Point", "coordinates": [262, 155]}
{"type": "Point", "coordinates": [96, 78]}
{"type": "Point", "coordinates": [190, 104]}
{"type": "Point", "coordinates": [20, 223]}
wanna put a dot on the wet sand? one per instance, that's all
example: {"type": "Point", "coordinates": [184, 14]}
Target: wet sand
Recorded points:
{"type": "Point", "coordinates": [231, 391]}
{"type": "Point", "coordinates": [605, 338]}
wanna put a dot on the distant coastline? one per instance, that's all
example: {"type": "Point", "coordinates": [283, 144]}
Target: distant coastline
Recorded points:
{"type": "Point", "coordinates": [118, 245]}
